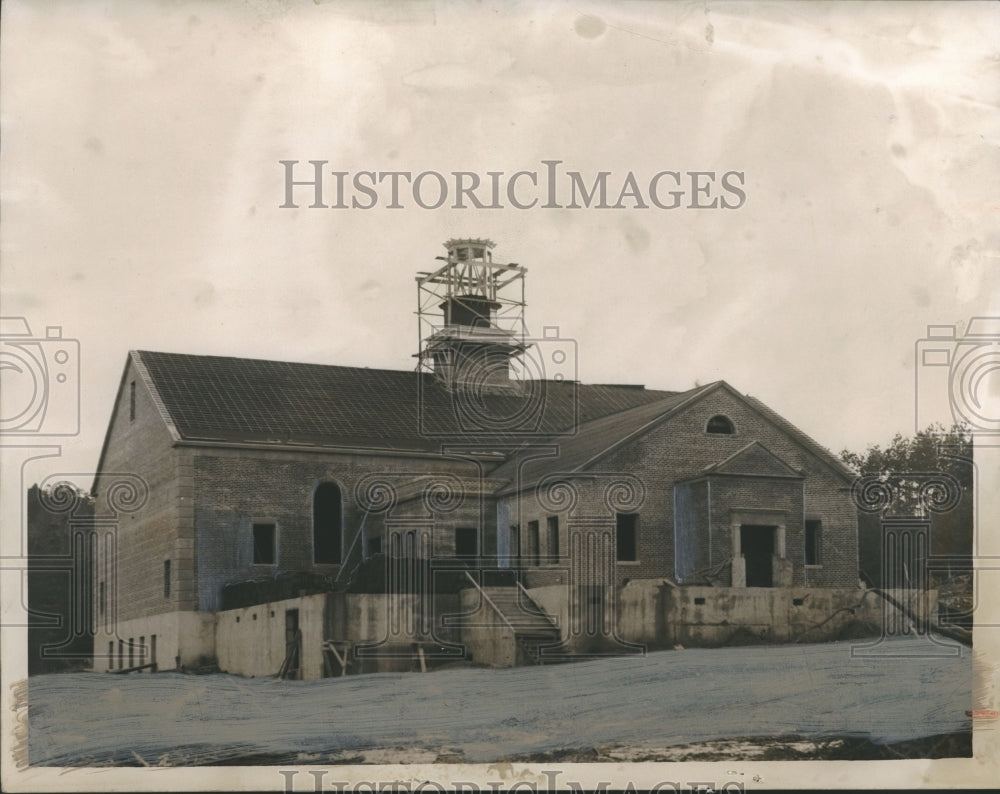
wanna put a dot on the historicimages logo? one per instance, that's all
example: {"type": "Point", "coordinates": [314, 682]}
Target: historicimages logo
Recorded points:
{"type": "Point", "coordinates": [545, 186]}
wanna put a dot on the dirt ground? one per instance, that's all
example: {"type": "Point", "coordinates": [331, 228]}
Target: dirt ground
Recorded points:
{"type": "Point", "coordinates": [902, 698]}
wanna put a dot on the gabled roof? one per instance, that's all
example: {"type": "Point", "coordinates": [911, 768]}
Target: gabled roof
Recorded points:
{"type": "Point", "coordinates": [599, 438]}
{"type": "Point", "coordinates": [602, 436]}
{"type": "Point", "coordinates": [239, 401]}
{"type": "Point", "coordinates": [754, 460]}
{"type": "Point", "coordinates": [252, 401]}
{"type": "Point", "coordinates": [806, 441]}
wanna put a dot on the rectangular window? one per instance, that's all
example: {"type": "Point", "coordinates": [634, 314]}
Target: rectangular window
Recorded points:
{"type": "Point", "coordinates": [166, 578]}
{"type": "Point", "coordinates": [814, 542]}
{"type": "Point", "coordinates": [131, 651]}
{"type": "Point", "coordinates": [111, 654]}
{"type": "Point", "coordinates": [264, 548]}
{"type": "Point", "coordinates": [466, 542]}
{"type": "Point", "coordinates": [142, 650]}
{"type": "Point", "coordinates": [131, 401]}
{"type": "Point", "coordinates": [627, 537]}
{"type": "Point", "coordinates": [533, 543]}
{"type": "Point", "coordinates": [152, 649]}
{"type": "Point", "coordinates": [553, 528]}
{"type": "Point", "coordinates": [515, 545]}
{"type": "Point", "coordinates": [121, 653]}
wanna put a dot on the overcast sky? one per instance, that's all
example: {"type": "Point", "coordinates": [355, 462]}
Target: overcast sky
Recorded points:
{"type": "Point", "coordinates": [141, 186]}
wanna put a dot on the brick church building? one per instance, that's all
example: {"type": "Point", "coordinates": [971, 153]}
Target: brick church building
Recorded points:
{"type": "Point", "coordinates": [485, 507]}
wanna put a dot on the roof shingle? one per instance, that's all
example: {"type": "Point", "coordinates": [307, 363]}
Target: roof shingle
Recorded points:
{"type": "Point", "coordinates": [240, 400]}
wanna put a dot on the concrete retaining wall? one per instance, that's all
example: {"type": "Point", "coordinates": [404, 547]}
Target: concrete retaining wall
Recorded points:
{"type": "Point", "coordinates": [251, 641]}
{"type": "Point", "coordinates": [185, 639]}
{"type": "Point", "coordinates": [659, 614]}
{"type": "Point", "coordinates": [711, 616]}
{"type": "Point", "coordinates": [640, 616]}
{"type": "Point", "coordinates": [487, 638]}
{"type": "Point", "coordinates": [554, 600]}
{"type": "Point", "coordinates": [374, 617]}
{"type": "Point", "coordinates": [388, 627]}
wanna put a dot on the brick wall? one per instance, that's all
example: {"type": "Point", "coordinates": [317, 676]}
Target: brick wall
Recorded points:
{"type": "Point", "coordinates": [140, 452]}
{"type": "Point", "coordinates": [472, 510]}
{"type": "Point", "coordinates": [744, 500]}
{"type": "Point", "coordinates": [202, 502]}
{"type": "Point", "coordinates": [235, 487]}
{"type": "Point", "coordinates": [679, 449]}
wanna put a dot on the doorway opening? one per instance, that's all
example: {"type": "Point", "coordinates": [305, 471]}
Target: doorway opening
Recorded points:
{"type": "Point", "coordinates": [757, 548]}
{"type": "Point", "coordinates": [292, 666]}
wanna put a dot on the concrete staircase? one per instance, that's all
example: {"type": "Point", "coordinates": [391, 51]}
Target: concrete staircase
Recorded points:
{"type": "Point", "coordinates": [533, 627]}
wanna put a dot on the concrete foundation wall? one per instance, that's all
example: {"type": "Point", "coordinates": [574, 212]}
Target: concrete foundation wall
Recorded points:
{"type": "Point", "coordinates": [185, 639]}
{"type": "Point", "coordinates": [251, 641]}
{"type": "Point", "coordinates": [554, 599]}
{"type": "Point", "coordinates": [487, 639]}
{"type": "Point", "coordinates": [197, 636]}
{"type": "Point", "coordinates": [655, 613]}
{"type": "Point", "coordinates": [640, 614]}
{"type": "Point", "coordinates": [378, 617]}
{"type": "Point", "coordinates": [710, 616]}
{"type": "Point", "coordinates": [658, 614]}
{"type": "Point", "coordinates": [387, 627]}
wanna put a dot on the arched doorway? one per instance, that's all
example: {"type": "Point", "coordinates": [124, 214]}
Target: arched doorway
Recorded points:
{"type": "Point", "coordinates": [328, 523]}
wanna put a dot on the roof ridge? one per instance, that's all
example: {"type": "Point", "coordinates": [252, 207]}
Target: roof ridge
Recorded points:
{"type": "Point", "coordinates": [617, 386]}
{"type": "Point", "coordinates": [269, 361]}
{"type": "Point", "coordinates": [235, 399]}
{"type": "Point", "coordinates": [808, 441]}
{"type": "Point", "coordinates": [658, 417]}
{"type": "Point", "coordinates": [661, 410]}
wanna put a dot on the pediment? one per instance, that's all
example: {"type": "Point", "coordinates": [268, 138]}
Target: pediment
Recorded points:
{"type": "Point", "coordinates": [754, 460]}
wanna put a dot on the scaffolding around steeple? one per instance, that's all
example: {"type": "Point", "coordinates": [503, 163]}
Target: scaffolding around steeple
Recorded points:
{"type": "Point", "coordinates": [471, 316]}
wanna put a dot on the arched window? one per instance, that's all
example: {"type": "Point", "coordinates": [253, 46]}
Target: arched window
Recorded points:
{"type": "Point", "coordinates": [328, 520]}
{"type": "Point", "coordinates": [720, 425]}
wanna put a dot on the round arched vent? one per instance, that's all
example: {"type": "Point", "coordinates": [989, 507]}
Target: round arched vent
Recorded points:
{"type": "Point", "coordinates": [720, 425]}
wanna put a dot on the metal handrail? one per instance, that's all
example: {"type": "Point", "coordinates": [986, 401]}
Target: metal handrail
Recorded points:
{"type": "Point", "coordinates": [553, 619]}
{"type": "Point", "coordinates": [354, 543]}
